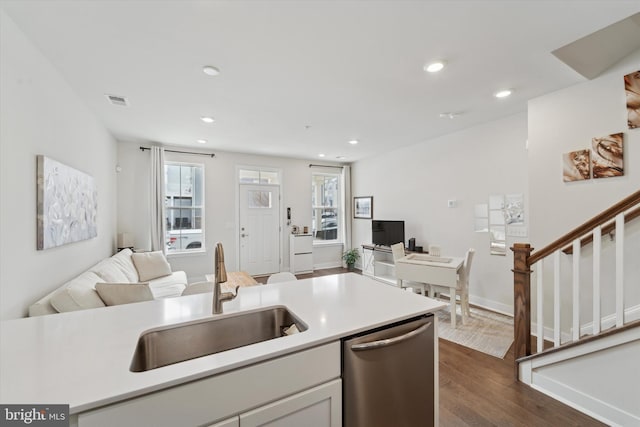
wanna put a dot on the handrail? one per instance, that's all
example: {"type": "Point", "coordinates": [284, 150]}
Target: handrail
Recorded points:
{"type": "Point", "coordinates": [605, 216]}
{"type": "Point", "coordinates": [523, 259]}
{"type": "Point", "coordinates": [631, 215]}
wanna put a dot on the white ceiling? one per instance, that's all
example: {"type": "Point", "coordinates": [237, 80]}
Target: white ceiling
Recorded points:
{"type": "Point", "coordinates": [347, 69]}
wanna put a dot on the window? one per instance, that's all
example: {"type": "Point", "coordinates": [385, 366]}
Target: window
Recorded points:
{"type": "Point", "coordinates": [184, 206]}
{"type": "Point", "coordinates": [325, 207]}
{"type": "Point", "coordinates": [259, 176]}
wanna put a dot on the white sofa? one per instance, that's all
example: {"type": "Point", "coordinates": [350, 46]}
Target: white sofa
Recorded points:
{"type": "Point", "coordinates": [80, 293]}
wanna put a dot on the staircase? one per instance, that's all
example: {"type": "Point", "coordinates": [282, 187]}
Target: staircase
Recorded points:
{"type": "Point", "coordinates": [587, 330]}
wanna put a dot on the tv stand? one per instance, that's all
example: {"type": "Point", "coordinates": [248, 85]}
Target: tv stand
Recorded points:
{"type": "Point", "coordinates": [377, 263]}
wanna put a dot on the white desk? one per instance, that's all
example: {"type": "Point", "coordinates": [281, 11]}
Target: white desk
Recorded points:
{"type": "Point", "coordinates": [440, 271]}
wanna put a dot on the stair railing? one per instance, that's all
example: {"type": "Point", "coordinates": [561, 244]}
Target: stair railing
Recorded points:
{"type": "Point", "coordinates": [610, 220]}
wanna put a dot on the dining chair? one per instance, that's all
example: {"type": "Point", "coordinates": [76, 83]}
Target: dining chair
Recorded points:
{"type": "Point", "coordinates": [283, 276]}
{"type": "Point", "coordinates": [462, 286]}
{"type": "Point", "coordinates": [397, 251]}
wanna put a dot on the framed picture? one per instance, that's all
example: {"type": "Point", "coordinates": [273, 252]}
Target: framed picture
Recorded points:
{"type": "Point", "coordinates": [363, 207]}
{"type": "Point", "coordinates": [67, 204]}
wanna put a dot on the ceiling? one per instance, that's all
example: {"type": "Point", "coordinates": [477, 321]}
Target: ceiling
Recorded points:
{"type": "Point", "coordinates": [303, 78]}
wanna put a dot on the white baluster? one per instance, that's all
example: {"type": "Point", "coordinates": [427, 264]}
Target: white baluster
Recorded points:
{"type": "Point", "coordinates": [619, 270]}
{"type": "Point", "coordinates": [540, 296]}
{"type": "Point", "coordinates": [576, 290]}
{"type": "Point", "coordinates": [597, 246]}
{"type": "Point", "coordinates": [556, 298]}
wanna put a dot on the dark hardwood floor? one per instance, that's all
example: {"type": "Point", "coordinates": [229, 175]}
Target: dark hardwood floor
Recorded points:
{"type": "Point", "coordinates": [481, 390]}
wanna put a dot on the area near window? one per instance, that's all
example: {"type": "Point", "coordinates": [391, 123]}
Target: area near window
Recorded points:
{"type": "Point", "coordinates": [184, 207]}
{"type": "Point", "coordinates": [326, 207]}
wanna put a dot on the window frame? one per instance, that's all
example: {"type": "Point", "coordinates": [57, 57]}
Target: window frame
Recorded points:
{"type": "Point", "coordinates": [339, 209]}
{"type": "Point", "coordinates": [194, 208]}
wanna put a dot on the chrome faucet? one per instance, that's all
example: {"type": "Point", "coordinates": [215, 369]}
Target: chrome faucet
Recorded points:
{"type": "Point", "coordinates": [221, 276]}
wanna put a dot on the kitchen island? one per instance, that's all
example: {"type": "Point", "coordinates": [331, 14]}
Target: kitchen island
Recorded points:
{"type": "Point", "coordinates": [83, 358]}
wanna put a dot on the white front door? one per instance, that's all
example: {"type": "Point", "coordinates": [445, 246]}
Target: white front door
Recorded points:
{"type": "Point", "coordinates": [259, 229]}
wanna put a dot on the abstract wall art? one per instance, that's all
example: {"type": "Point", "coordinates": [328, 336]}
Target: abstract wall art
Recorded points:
{"type": "Point", "coordinates": [67, 204]}
{"type": "Point", "coordinates": [632, 89]}
{"type": "Point", "coordinates": [576, 166]}
{"type": "Point", "coordinates": [607, 157]}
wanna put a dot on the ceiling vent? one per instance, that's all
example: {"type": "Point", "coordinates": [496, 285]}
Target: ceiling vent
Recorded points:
{"type": "Point", "coordinates": [118, 100]}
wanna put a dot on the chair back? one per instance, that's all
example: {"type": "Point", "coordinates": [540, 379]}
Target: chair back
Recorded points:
{"type": "Point", "coordinates": [283, 276]}
{"type": "Point", "coordinates": [434, 250]}
{"type": "Point", "coordinates": [398, 251]}
{"type": "Point", "coordinates": [466, 268]}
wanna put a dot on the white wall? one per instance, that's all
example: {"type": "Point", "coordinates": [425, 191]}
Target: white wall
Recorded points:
{"type": "Point", "coordinates": [40, 114]}
{"type": "Point", "coordinates": [220, 205]}
{"type": "Point", "coordinates": [565, 121]}
{"type": "Point", "coordinates": [414, 183]}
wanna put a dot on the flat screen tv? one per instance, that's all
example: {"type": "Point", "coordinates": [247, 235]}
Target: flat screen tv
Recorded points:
{"type": "Point", "coordinates": [387, 233]}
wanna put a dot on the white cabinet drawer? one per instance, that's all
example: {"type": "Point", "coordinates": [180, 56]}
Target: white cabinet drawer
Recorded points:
{"type": "Point", "coordinates": [302, 262]}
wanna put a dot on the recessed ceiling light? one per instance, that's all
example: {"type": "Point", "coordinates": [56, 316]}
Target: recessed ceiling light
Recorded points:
{"type": "Point", "coordinates": [202, 141]}
{"type": "Point", "coordinates": [434, 67]}
{"type": "Point", "coordinates": [320, 155]}
{"type": "Point", "coordinates": [210, 70]}
{"type": "Point", "coordinates": [353, 142]}
{"type": "Point", "coordinates": [502, 93]}
{"type": "Point", "coordinates": [449, 115]}
{"type": "Point", "coordinates": [207, 119]}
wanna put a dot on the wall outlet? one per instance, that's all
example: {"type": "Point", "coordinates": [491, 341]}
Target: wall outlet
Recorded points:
{"type": "Point", "coordinates": [452, 203]}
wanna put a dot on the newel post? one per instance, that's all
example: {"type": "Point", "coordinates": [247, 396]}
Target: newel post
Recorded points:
{"type": "Point", "coordinates": [521, 300]}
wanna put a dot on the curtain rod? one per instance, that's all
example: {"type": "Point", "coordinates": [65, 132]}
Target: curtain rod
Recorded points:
{"type": "Point", "coordinates": [324, 166]}
{"type": "Point", "coordinates": [182, 152]}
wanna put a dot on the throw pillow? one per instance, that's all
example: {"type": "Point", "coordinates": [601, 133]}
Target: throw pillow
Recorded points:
{"type": "Point", "coordinates": [151, 265]}
{"type": "Point", "coordinates": [123, 293]}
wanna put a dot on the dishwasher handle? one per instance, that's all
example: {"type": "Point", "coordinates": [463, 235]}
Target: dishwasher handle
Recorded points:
{"type": "Point", "coordinates": [390, 341]}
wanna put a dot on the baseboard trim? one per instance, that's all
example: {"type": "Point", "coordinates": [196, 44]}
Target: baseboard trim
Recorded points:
{"type": "Point", "coordinates": [596, 408]}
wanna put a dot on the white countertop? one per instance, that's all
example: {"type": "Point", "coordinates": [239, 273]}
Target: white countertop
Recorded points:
{"type": "Point", "coordinates": [82, 358]}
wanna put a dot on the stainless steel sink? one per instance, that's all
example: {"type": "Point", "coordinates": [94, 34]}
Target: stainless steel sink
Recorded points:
{"type": "Point", "coordinates": [177, 343]}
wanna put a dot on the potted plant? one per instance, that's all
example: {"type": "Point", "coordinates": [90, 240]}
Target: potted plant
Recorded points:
{"type": "Point", "coordinates": [350, 257]}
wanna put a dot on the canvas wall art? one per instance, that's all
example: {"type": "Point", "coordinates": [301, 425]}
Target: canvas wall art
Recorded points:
{"type": "Point", "coordinates": [67, 204]}
{"type": "Point", "coordinates": [607, 157]}
{"type": "Point", "coordinates": [576, 166]}
{"type": "Point", "coordinates": [632, 88]}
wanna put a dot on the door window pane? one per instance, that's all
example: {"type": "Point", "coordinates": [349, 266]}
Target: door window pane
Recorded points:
{"type": "Point", "coordinates": [259, 199]}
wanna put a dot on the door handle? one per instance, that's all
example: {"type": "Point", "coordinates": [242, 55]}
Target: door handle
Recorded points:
{"type": "Point", "coordinates": [390, 341]}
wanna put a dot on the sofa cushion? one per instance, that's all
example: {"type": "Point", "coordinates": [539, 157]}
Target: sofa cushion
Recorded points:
{"type": "Point", "coordinates": [169, 286]}
{"type": "Point", "coordinates": [123, 260]}
{"type": "Point", "coordinates": [123, 293]}
{"type": "Point", "coordinates": [78, 294]}
{"type": "Point", "coordinates": [110, 271]}
{"type": "Point", "coordinates": [151, 265]}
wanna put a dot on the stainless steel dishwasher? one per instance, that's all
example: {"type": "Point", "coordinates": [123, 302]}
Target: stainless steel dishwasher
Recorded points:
{"type": "Point", "coordinates": [388, 376]}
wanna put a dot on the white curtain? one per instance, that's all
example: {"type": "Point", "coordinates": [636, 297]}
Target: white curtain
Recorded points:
{"type": "Point", "coordinates": [156, 199]}
{"type": "Point", "coordinates": [348, 215]}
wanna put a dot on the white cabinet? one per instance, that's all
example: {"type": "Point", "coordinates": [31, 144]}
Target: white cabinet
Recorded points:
{"type": "Point", "coordinates": [320, 406]}
{"type": "Point", "coordinates": [378, 263]}
{"type": "Point", "coordinates": [301, 253]}
{"type": "Point", "coordinates": [223, 396]}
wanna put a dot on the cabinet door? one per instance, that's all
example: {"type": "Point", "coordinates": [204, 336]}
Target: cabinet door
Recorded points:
{"type": "Point", "coordinates": [320, 406]}
{"type": "Point", "coordinates": [303, 262]}
{"type": "Point", "coordinates": [367, 262]}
